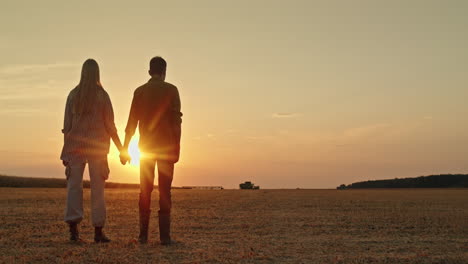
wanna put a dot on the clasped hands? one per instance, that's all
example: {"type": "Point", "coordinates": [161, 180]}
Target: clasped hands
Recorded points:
{"type": "Point", "coordinates": [124, 156]}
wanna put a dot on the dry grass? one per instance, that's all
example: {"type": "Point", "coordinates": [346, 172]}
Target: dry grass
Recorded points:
{"type": "Point", "coordinates": [233, 226]}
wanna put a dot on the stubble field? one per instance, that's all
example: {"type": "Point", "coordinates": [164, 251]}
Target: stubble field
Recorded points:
{"type": "Point", "coordinates": [234, 226]}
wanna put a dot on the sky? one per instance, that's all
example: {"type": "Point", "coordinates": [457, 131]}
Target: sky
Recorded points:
{"type": "Point", "coordinates": [286, 94]}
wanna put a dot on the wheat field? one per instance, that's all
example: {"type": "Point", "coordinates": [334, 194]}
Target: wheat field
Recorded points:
{"type": "Point", "coordinates": [246, 226]}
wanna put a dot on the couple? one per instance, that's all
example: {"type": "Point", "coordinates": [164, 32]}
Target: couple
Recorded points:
{"type": "Point", "coordinates": [88, 128]}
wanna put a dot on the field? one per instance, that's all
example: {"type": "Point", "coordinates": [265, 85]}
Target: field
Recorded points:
{"type": "Point", "coordinates": [234, 226]}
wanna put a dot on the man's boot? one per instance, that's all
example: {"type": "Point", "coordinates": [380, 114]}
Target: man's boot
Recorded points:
{"type": "Point", "coordinates": [99, 236]}
{"type": "Point", "coordinates": [74, 235]}
{"type": "Point", "coordinates": [165, 229]}
{"type": "Point", "coordinates": [144, 225]}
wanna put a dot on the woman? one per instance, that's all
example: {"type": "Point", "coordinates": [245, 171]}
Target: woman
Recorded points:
{"type": "Point", "coordinates": [88, 126]}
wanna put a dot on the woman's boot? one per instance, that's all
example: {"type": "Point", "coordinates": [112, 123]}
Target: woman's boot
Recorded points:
{"type": "Point", "coordinates": [99, 236]}
{"type": "Point", "coordinates": [74, 235]}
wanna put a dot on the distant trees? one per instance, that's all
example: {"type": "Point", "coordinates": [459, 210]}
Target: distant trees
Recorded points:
{"type": "Point", "coordinates": [432, 181]}
{"type": "Point", "coordinates": [30, 182]}
{"type": "Point", "coordinates": [248, 186]}
{"type": "Point", "coordinates": [341, 187]}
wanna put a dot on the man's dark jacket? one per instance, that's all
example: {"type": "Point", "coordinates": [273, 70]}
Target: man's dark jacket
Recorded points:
{"type": "Point", "coordinates": [156, 110]}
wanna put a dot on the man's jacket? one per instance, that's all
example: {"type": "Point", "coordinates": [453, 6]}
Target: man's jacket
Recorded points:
{"type": "Point", "coordinates": [156, 110]}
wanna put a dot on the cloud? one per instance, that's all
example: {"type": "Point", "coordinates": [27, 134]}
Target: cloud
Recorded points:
{"type": "Point", "coordinates": [21, 112]}
{"type": "Point", "coordinates": [34, 95]}
{"type": "Point", "coordinates": [231, 131]}
{"type": "Point", "coordinates": [366, 131]}
{"type": "Point", "coordinates": [29, 68]}
{"type": "Point", "coordinates": [284, 115]}
{"type": "Point", "coordinates": [29, 83]}
{"type": "Point", "coordinates": [343, 145]}
{"type": "Point", "coordinates": [259, 138]}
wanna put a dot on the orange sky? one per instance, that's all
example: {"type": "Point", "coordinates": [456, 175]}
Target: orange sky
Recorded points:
{"type": "Point", "coordinates": [306, 94]}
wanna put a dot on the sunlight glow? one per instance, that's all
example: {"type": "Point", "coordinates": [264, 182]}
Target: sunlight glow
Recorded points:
{"type": "Point", "coordinates": [134, 151]}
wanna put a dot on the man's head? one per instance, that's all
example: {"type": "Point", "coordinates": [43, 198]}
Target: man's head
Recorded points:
{"type": "Point", "coordinates": [158, 67]}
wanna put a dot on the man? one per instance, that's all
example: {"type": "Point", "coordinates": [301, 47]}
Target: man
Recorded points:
{"type": "Point", "coordinates": [156, 110]}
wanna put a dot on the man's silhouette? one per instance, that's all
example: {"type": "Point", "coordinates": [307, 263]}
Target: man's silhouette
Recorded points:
{"type": "Point", "coordinates": [156, 110]}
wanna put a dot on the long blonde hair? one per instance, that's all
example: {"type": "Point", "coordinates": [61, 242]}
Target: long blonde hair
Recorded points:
{"type": "Point", "coordinates": [89, 90]}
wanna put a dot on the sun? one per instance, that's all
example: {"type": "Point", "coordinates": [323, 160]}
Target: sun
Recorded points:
{"type": "Point", "coordinates": [134, 152]}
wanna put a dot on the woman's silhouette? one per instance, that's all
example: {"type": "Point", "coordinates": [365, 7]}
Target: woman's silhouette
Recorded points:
{"type": "Point", "coordinates": [88, 127]}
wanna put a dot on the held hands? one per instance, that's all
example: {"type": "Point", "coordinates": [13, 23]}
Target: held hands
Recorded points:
{"type": "Point", "coordinates": [124, 157]}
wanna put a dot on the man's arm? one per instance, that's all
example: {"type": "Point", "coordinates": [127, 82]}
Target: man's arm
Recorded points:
{"type": "Point", "coordinates": [128, 137]}
{"type": "Point", "coordinates": [132, 124]}
{"type": "Point", "coordinates": [177, 114]}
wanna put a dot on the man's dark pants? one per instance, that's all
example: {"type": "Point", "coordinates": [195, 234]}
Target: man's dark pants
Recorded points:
{"type": "Point", "coordinates": [165, 175]}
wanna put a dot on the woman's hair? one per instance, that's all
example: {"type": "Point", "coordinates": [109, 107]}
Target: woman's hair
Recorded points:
{"type": "Point", "coordinates": [89, 90]}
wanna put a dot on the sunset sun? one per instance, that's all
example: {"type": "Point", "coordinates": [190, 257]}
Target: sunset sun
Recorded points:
{"type": "Point", "coordinates": [134, 152]}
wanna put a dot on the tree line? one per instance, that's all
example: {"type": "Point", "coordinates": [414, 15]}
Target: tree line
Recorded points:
{"type": "Point", "coordinates": [30, 182]}
{"type": "Point", "coordinates": [431, 181]}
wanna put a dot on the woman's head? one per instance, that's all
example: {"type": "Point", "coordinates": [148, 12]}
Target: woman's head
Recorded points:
{"type": "Point", "coordinates": [88, 88]}
{"type": "Point", "coordinates": [90, 72]}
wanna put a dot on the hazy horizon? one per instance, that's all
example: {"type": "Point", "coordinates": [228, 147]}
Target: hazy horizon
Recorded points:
{"type": "Point", "coordinates": [308, 94]}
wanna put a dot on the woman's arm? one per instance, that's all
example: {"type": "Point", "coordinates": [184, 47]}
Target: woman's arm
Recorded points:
{"type": "Point", "coordinates": [116, 140]}
{"type": "Point", "coordinates": [109, 123]}
{"type": "Point", "coordinates": [67, 123]}
{"type": "Point", "coordinates": [68, 118]}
